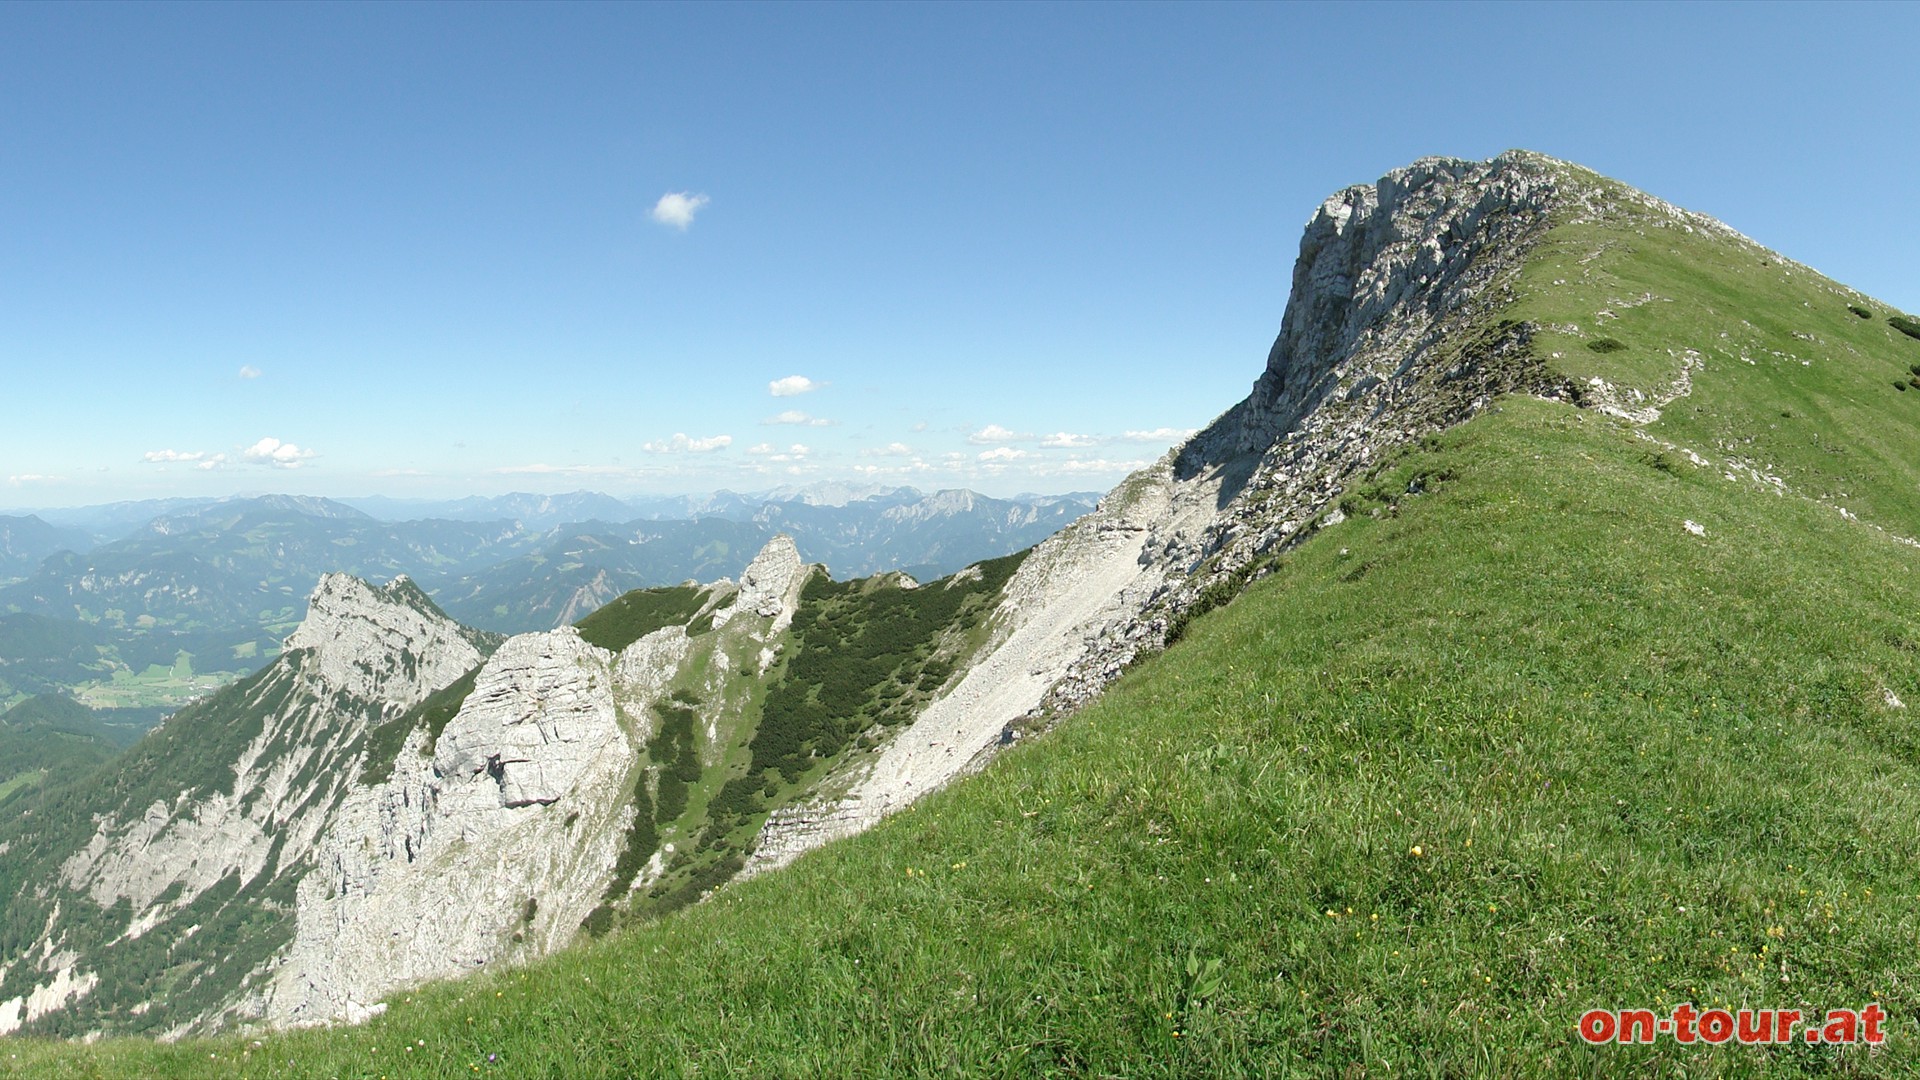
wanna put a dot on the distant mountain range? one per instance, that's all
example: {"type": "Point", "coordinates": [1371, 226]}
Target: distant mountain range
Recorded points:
{"type": "Point", "coordinates": [145, 605]}
{"type": "Point", "coordinates": [25, 541]}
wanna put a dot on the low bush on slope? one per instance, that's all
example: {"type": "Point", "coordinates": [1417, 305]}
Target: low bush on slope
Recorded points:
{"type": "Point", "coordinates": [1552, 750]}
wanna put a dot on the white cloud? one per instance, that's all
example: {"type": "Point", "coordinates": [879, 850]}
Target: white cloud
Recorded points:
{"type": "Point", "coordinates": [676, 209]}
{"type": "Point", "coordinates": [681, 444]}
{"type": "Point", "coordinates": [1066, 440]}
{"type": "Point", "coordinates": [795, 416]}
{"type": "Point", "coordinates": [248, 371]}
{"type": "Point", "coordinates": [201, 458]}
{"type": "Point", "coordinates": [1159, 435]}
{"type": "Point", "coordinates": [792, 385]}
{"type": "Point", "coordinates": [23, 479]}
{"type": "Point", "coordinates": [281, 455]}
{"type": "Point", "coordinates": [1002, 454]}
{"type": "Point", "coordinates": [921, 426]}
{"type": "Point", "coordinates": [761, 448]}
{"type": "Point", "coordinates": [994, 433]}
{"type": "Point", "coordinates": [893, 449]}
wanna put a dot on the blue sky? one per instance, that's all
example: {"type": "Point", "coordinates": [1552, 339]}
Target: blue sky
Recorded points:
{"type": "Point", "coordinates": [411, 250]}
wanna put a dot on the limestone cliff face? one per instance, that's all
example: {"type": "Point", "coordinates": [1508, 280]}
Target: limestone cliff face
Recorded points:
{"type": "Point", "coordinates": [497, 842]}
{"type": "Point", "coordinates": [1382, 271]}
{"type": "Point", "coordinates": [361, 655]}
{"type": "Point", "coordinates": [387, 644]}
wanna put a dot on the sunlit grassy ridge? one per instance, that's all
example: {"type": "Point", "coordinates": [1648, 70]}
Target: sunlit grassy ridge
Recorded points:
{"type": "Point", "coordinates": [1791, 378]}
{"type": "Point", "coordinates": [1640, 766]}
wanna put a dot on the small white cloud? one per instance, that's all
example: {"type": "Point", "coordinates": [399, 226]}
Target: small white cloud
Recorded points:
{"type": "Point", "coordinates": [1159, 435]}
{"type": "Point", "coordinates": [399, 472]}
{"type": "Point", "coordinates": [795, 416]}
{"type": "Point", "coordinates": [681, 444]}
{"type": "Point", "coordinates": [893, 449]}
{"type": "Point", "coordinates": [921, 426]}
{"type": "Point", "coordinates": [792, 385]}
{"type": "Point", "coordinates": [24, 479]}
{"type": "Point", "coordinates": [994, 433]}
{"type": "Point", "coordinates": [213, 461]}
{"type": "Point", "coordinates": [676, 209]}
{"type": "Point", "coordinates": [1066, 440]}
{"type": "Point", "coordinates": [1002, 454]}
{"type": "Point", "coordinates": [174, 455]}
{"type": "Point", "coordinates": [280, 455]}
{"type": "Point", "coordinates": [760, 448]}
{"type": "Point", "coordinates": [248, 371]}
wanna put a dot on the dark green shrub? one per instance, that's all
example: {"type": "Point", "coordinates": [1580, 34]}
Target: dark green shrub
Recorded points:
{"type": "Point", "coordinates": [1607, 345]}
{"type": "Point", "coordinates": [1860, 311]}
{"type": "Point", "coordinates": [639, 613]}
{"type": "Point", "coordinates": [1905, 325]}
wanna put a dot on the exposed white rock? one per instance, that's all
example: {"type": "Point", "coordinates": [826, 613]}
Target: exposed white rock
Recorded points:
{"type": "Point", "coordinates": [64, 987]}
{"type": "Point", "coordinates": [361, 653]}
{"type": "Point", "coordinates": [770, 584]}
{"type": "Point", "coordinates": [501, 843]}
{"type": "Point", "coordinates": [521, 801]}
{"type": "Point", "coordinates": [379, 644]}
{"type": "Point", "coordinates": [1095, 573]}
{"type": "Point", "coordinates": [539, 714]}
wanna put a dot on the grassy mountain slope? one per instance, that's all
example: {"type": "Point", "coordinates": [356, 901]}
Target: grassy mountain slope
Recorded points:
{"type": "Point", "coordinates": [1510, 742]}
{"type": "Point", "coordinates": [1640, 766]}
{"type": "Point", "coordinates": [48, 740]}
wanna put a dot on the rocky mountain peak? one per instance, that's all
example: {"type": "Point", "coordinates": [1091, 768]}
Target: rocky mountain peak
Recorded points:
{"type": "Point", "coordinates": [1396, 255]}
{"type": "Point", "coordinates": [770, 576]}
{"type": "Point", "coordinates": [387, 644]}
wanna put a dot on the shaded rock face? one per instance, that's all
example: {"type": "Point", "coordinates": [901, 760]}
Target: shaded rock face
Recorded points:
{"type": "Point", "coordinates": [1383, 265]}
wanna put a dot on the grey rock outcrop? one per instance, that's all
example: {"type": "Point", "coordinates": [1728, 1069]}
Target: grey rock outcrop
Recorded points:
{"type": "Point", "coordinates": [362, 654]}
{"type": "Point", "coordinates": [498, 841]}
